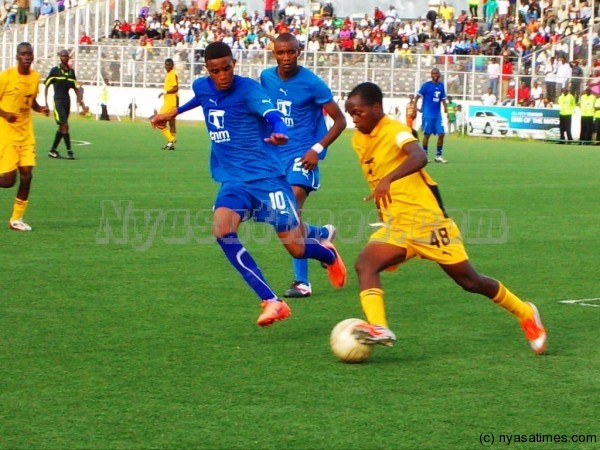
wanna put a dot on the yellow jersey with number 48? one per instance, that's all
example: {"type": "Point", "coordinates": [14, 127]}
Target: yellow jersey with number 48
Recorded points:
{"type": "Point", "coordinates": [415, 198]}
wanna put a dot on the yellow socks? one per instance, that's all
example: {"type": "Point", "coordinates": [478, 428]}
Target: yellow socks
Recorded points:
{"type": "Point", "coordinates": [19, 208]}
{"type": "Point", "coordinates": [373, 306]}
{"type": "Point", "coordinates": [167, 134]}
{"type": "Point", "coordinates": [512, 303]}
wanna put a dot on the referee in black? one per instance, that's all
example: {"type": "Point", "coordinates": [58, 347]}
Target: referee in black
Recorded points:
{"type": "Point", "coordinates": [62, 79]}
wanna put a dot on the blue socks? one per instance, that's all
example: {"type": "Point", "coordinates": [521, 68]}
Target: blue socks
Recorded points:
{"type": "Point", "coordinates": [239, 258]}
{"type": "Point", "coordinates": [301, 265]}
{"type": "Point", "coordinates": [438, 151]}
{"type": "Point", "coordinates": [300, 270]}
{"type": "Point", "coordinates": [314, 250]}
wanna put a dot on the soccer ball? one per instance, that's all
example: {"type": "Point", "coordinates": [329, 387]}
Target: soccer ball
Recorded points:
{"type": "Point", "coordinates": [345, 346]}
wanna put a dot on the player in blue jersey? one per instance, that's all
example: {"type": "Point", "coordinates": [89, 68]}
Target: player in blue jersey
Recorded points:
{"type": "Point", "coordinates": [301, 96]}
{"type": "Point", "coordinates": [243, 124]}
{"type": "Point", "coordinates": [433, 94]}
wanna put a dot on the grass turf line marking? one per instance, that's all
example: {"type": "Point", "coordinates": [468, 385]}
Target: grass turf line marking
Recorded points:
{"type": "Point", "coordinates": [79, 143]}
{"type": "Point", "coordinates": [583, 302]}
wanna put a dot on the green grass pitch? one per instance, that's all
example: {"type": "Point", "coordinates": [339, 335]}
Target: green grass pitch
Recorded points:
{"type": "Point", "coordinates": [133, 331]}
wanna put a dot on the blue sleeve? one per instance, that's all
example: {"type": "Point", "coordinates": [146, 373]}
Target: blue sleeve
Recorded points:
{"type": "Point", "coordinates": [275, 119]}
{"type": "Point", "coordinates": [193, 103]}
{"type": "Point", "coordinates": [322, 93]}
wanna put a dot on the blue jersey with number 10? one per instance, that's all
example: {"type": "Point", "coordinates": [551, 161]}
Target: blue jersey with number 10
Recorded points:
{"type": "Point", "coordinates": [236, 126]}
{"type": "Point", "coordinates": [300, 99]}
{"type": "Point", "coordinates": [433, 94]}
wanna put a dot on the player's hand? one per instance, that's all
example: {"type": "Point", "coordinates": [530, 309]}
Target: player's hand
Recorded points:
{"type": "Point", "coordinates": [277, 138]}
{"type": "Point", "coordinates": [44, 110]}
{"type": "Point", "coordinates": [160, 95]}
{"type": "Point", "coordinates": [158, 122]}
{"type": "Point", "coordinates": [10, 117]}
{"type": "Point", "coordinates": [310, 160]}
{"type": "Point", "coordinates": [381, 194]}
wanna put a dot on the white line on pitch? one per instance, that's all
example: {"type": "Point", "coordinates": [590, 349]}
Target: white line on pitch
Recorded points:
{"type": "Point", "coordinates": [78, 142]}
{"type": "Point", "coordinates": [583, 302]}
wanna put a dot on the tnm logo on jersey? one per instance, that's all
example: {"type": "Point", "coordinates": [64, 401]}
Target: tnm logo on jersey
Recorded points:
{"type": "Point", "coordinates": [285, 108]}
{"type": "Point", "coordinates": [216, 117]}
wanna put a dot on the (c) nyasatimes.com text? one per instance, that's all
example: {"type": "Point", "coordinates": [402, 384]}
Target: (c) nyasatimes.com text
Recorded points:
{"type": "Point", "coordinates": [489, 439]}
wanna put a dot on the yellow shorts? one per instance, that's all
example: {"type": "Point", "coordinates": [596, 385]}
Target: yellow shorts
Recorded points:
{"type": "Point", "coordinates": [15, 156]}
{"type": "Point", "coordinates": [440, 242]}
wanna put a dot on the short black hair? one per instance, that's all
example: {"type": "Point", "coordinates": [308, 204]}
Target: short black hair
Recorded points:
{"type": "Point", "coordinates": [169, 60]}
{"type": "Point", "coordinates": [216, 50]}
{"type": "Point", "coordinates": [369, 92]}
{"type": "Point", "coordinates": [23, 44]}
{"type": "Point", "coordinates": [287, 37]}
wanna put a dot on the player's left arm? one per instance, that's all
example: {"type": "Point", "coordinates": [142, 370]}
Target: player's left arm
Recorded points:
{"type": "Point", "coordinates": [415, 161]}
{"type": "Point", "coordinates": [78, 88]}
{"type": "Point", "coordinates": [310, 159]}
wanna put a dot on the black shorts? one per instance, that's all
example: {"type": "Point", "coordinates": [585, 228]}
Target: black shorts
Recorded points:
{"type": "Point", "coordinates": [62, 108]}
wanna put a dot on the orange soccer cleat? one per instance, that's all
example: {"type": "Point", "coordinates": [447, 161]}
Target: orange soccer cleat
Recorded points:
{"type": "Point", "coordinates": [272, 312]}
{"type": "Point", "coordinates": [366, 333]}
{"type": "Point", "coordinates": [535, 332]}
{"type": "Point", "coordinates": [337, 269]}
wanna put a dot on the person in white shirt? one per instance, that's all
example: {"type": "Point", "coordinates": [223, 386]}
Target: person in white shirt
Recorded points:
{"type": "Point", "coordinates": [493, 71]}
{"type": "Point", "coordinates": [563, 73]}
{"type": "Point", "coordinates": [503, 8]}
{"type": "Point", "coordinates": [550, 78]}
{"type": "Point", "coordinates": [537, 95]}
{"type": "Point", "coordinates": [489, 99]}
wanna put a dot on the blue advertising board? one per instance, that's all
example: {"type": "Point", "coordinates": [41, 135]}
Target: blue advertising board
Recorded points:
{"type": "Point", "coordinates": [510, 121]}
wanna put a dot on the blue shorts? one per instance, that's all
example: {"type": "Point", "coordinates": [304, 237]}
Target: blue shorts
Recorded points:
{"type": "Point", "coordinates": [433, 126]}
{"type": "Point", "coordinates": [296, 175]}
{"type": "Point", "coordinates": [270, 200]}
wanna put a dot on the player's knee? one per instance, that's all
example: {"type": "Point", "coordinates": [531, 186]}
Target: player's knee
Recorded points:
{"type": "Point", "coordinates": [363, 267]}
{"type": "Point", "coordinates": [8, 180]}
{"type": "Point", "coordinates": [473, 284]}
{"type": "Point", "coordinates": [295, 250]}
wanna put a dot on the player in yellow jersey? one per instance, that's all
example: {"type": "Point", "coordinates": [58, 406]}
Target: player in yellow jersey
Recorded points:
{"type": "Point", "coordinates": [170, 102]}
{"type": "Point", "coordinates": [413, 221]}
{"type": "Point", "coordinates": [18, 92]}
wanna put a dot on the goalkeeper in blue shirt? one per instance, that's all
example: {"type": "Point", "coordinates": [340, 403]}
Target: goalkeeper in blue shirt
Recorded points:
{"type": "Point", "coordinates": [243, 125]}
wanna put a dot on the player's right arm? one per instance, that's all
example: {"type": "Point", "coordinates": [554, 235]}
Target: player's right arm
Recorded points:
{"type": "Point", "coordinates": [415, 161]}
{"type": "Point", "coordinates": [10, 117]}
{"type": "Point", "coordinates": [160, 119]}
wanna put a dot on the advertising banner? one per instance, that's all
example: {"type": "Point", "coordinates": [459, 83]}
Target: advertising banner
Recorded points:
{"type": "Point", "coordinates": [510, 121]}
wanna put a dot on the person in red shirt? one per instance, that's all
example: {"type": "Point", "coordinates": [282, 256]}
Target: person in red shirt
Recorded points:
{"type": "Point", "coordinates": [126, 29]}
{"type": "Point", "coordinates": [511, 93]}
{"type": "Point", "coordinates": [539, 39]}
{"type": "Point", "coordinates": [507, 70]}
{"type": "Point", "coordinates": [472, 28]}
{"type": "Point", "coordinates": [378, 15]}
{"type": "Point", "coordinates": [524, 94]}
{"type": "Point", "coordinates": [140, 27]}
{"type": "Point", "coordinates": [85, 39]}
